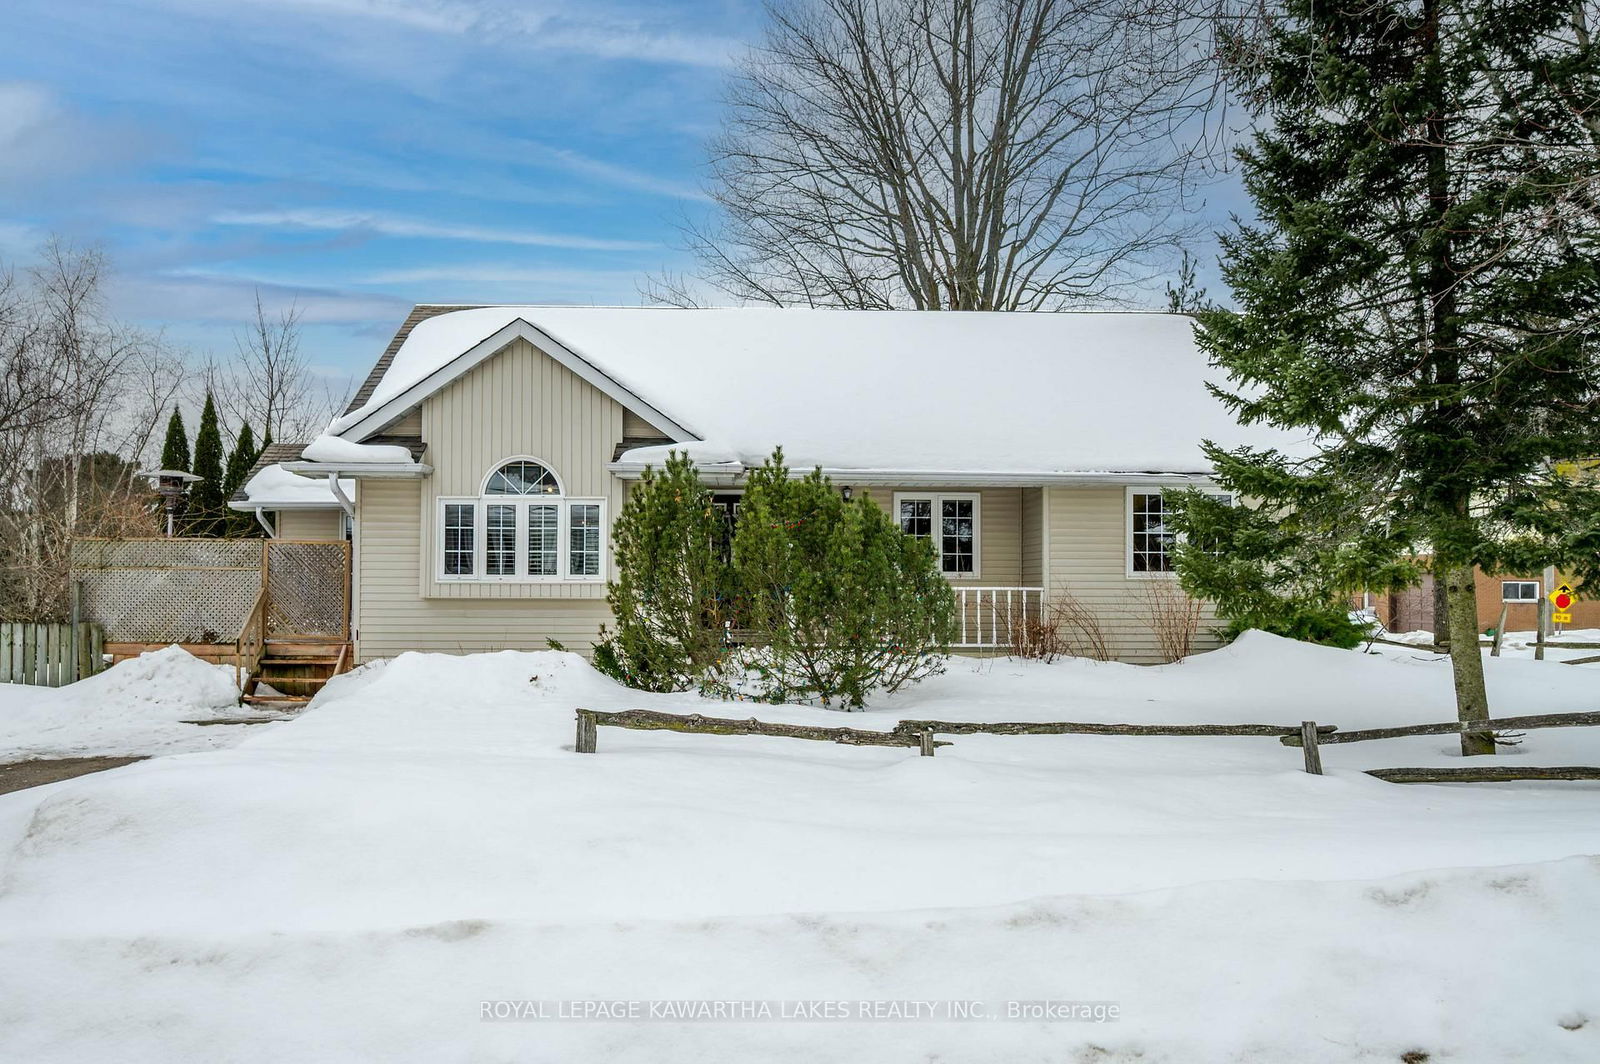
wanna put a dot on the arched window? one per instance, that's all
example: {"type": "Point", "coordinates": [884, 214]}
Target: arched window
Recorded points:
{"type": "Point", "coordinates": [523, 527]}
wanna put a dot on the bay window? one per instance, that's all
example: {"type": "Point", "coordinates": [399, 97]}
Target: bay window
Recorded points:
{"type": "Point", "coordinates": [515, 530]}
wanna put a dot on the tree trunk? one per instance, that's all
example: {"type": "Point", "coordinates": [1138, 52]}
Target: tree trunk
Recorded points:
{"type": "Point", "coordinates": [1466, 660]}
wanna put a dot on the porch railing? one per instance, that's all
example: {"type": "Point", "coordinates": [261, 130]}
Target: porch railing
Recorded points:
{"type": "Point", "coordinates": [989, 616]}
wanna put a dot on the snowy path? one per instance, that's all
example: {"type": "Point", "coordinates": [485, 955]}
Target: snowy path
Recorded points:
{"type": "Point", "coordinates": [423, 839]}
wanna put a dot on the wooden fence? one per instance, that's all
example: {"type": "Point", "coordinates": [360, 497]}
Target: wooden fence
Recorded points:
{"type": "Point", "coordinates": [49, 655]}
{"type": "Point", "coordinates": [1308, 735]}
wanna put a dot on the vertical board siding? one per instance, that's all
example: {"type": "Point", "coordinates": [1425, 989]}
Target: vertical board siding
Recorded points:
{"type": "Point", "coordinates": [1085, 529]}
{"type": "Point", "coordinates": [520, 402]}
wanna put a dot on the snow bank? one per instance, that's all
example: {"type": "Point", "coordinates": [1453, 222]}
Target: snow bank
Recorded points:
{"type": "Point", "coordinates": [134, 707]}
{"type": "Point", "coordinates": [423, 838]}
{"type": "Point", "coordinates": [274, 485]}
{"type": "Point", "coordinates": [340, 451]}
{"type": "Point", "coordinates": [1038, 393]}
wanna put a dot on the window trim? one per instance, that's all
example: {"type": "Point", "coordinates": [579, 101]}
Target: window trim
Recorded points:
{"type": "Point", "coordinates": [483, 485]}
{"type": "Point", "coordinates": [937, 498]}
{"type": "Point", "coordinates": [1127, 524]}
{"type": "Point", "coordinates": [520, 505]}
{"type": "Point", "coordinates": [1534, 601]}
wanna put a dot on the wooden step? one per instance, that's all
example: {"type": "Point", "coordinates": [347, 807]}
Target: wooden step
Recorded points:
{"type": "Point", "coordinates": [310, 681]}
{"type": "Point", "coordinates": [270, 661]}
{"type": "Point", "coordinates": [287, 701]}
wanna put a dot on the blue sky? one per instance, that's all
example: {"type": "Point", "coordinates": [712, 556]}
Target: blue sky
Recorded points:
{"type": "Point", "coordinates": [358, 156]}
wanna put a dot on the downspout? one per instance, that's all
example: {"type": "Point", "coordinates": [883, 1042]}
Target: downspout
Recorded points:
{"type": "Point", "coordinates": [345, 501]}
{"type": "Point", "coordinates": [261, 519]}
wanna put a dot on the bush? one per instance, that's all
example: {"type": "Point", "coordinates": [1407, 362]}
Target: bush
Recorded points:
{"type": "Point", "coordinates": [838, 599]}
{"type": "Point", "coordinates": [671, 592]}
{"type": "Point", "coordinates": [832, 600]}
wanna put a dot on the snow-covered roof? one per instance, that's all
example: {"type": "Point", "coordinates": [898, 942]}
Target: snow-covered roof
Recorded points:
{"type": "Point", "coordinates": [872, 390]}
{"type": "Point", "coordinates": [275, 488]}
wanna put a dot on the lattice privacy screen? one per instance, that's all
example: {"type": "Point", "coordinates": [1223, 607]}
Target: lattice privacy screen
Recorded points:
{"type": "Point", "coordinates": [202, 590]}
{"type": "Point", "coordinates": [168, 590]}
{"type": "Point", "coordinates": [306, 588]}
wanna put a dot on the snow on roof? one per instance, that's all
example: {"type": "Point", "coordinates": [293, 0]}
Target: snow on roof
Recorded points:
{"type": "Point", "coordinates": [889, 390]}
{"type": "Point", "coordinates": [333, 450]}
{"type": "Point", "coordinates": [274, 486]}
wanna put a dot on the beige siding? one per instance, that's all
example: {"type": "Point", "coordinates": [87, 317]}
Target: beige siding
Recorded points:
{"type": "Point", "coordinates": [518, 403]}
{"type": "Point", "coordinates": [309, 524]}
{"type": "Point", "coordinates": [1086, 532]}
{"type": "Point", "coordinates": [999, 530]}
{"type": "Point", "coordinates": [392, 616]}
{"type": "Point", "coordinates": [407, 424]}
{"type": "Point", "coordinates": [636, 426]}
{"type": "Point", "coordinates": [1032, 537]}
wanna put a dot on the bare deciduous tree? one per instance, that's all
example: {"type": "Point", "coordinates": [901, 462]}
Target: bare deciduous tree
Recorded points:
{"type": "Point", "coordinates": [956, 154]}
{"type": "Point", "coordinates": [270, 386]}
{"type": "Point", "coordinates": [65, 420]}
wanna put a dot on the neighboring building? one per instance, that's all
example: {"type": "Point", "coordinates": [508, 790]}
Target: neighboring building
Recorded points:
{"type": "Point", "coordinates": [490, 448]}
{"type": "Point", "coordinates": [1412, 610]}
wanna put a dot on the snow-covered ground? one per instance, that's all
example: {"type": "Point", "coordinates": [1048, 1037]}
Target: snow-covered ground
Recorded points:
{"type": "Point", "coordinates": [135, 707]}
{"type": "Point", "coordinates": [1521, 644]}
{"type": "Point", "coordinates": [356, 885]}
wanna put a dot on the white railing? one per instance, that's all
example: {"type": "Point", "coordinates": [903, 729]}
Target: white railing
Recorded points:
{"type": "Point", "coordinates": [989, 615]}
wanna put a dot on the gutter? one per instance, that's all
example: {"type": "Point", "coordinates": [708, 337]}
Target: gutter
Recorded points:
{"type": "Point", "coordinates": [374, 470]}
{"type": "Point", "coordinates": [728, 474]}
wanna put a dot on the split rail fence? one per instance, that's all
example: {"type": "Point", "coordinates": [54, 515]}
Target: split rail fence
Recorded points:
{"type": "Point", "coordinates": [1308, 735]}
{"type": "Point", "coordinates": [49, 655]}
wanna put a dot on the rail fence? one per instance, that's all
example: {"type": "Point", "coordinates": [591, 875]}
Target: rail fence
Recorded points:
{"type": "Point", "coordinates": [1308, 735]}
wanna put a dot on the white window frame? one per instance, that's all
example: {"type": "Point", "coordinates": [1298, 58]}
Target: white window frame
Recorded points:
{"type": "Point", "coordinates": [1127, 524]}
{"type": "Point", "coordinates": [937, 499]}
{"type": "Point", "coordinates": [519, 574]}
{"type": "Point", "coordinates": [1535, 584]}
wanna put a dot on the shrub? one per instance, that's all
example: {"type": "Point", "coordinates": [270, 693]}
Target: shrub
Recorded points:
{"type": "Point", "coordinates": [840, 601]}
{"type": "Point", "coordinates": [671, 592]}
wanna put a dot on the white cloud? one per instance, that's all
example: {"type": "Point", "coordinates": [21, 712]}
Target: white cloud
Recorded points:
{"type": "Point", "coordinates": [324, 220]}
{"type": "Point", "coordinates": [614, 32]}
{"type": "Point", "coordinates": [43, 140]}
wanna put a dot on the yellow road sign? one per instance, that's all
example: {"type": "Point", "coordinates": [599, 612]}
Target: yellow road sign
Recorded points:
{"type": "Point", "coordinates": [1561, 618]}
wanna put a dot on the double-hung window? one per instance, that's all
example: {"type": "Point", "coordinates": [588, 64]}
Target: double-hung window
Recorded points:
{"type": "Point", "coordinates": [1150, 537]}
{"type": "Point", "coordinates": [523, 527]}
{"type": "Point", "coordinates": [950, 522]}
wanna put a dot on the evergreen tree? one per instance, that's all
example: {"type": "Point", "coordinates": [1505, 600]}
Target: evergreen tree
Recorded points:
{"type": "Point", "coordinates": [240, 459]}
{"type": "Point", "coordinates": [175, 449]}
{"type": "Point", "coordinates": [1420, 293]}
{"type": "Point", "coordinates": [840, 599]}
{"type": "Point", "coordinates": [670, 595]}
{"type": "Point", "coordinates": [206, 513]}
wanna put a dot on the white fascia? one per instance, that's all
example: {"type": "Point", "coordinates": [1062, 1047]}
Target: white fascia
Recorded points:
{"type": "Point", "coordinates": [717, 475]}
{"type": "Point", "coordinates": [369, 421]}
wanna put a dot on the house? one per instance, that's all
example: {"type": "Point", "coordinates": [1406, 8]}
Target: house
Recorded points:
{"type": "Point", "coordinates": [484, 457]}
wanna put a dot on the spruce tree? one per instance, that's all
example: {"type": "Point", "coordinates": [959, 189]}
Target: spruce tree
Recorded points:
{"type": "Point", "coordinates": [1420, 293]}
{"type": "Point", "coordinates": [206, 514]}
{"type": "Point", "coordinates": [175, 449]}
{"type": "Point", "coordinates": [240, 459]}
